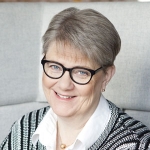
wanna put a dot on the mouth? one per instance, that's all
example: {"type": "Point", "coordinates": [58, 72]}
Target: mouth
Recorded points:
{"type": "Point", "coordinates": [64, 96]}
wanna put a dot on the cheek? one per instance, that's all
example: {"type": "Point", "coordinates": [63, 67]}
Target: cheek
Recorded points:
{"type": "Point", "coordinates": [47, 82]}
{"type": "Point", "coordinates": [100, 81]}
{"type": "Point", "coordinates": [97, 86]}
{"type": "Point", "coordinates": [87, 91]}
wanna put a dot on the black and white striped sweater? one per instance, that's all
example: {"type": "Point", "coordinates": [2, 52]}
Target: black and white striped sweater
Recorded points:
{"type": "Point", "coordinates": [121, 133]}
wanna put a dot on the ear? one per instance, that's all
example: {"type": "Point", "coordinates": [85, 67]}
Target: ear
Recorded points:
{"type": "Point", "coordinates": [109, 73]}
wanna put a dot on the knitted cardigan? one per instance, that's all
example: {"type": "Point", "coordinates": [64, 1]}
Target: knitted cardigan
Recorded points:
{"type": "Point", "coordinates": [121, 133]}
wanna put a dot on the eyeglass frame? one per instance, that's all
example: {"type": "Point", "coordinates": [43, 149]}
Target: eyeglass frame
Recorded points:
{"type": "Point", "coordinates": [93, 72]}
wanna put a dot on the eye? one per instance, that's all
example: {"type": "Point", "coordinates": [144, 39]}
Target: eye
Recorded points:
{"type": "Point", "coordinates": [54, 67]}
{"type": "Point", "coordinates": [84, 73]}
{"type": "Point", "coordinates": [81, 72]}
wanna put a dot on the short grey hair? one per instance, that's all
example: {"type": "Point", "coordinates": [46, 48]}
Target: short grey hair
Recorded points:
{"type": "Point", "coordinates": [87, 30]}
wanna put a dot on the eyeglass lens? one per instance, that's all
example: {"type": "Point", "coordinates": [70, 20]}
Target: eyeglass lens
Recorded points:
{"type": "Point", "coordinates": [79, 75]}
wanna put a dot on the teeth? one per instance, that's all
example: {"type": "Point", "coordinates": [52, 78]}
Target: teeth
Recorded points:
{"type": "Point", "coordinates": [62, 96]}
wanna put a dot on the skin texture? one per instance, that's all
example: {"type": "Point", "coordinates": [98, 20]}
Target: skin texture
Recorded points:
{"type": "Point", "coordinates": [73, 112]}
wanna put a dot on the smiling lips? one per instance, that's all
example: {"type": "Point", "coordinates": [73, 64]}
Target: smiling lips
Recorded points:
{"type": "Point", "coordinates": [65, 96]}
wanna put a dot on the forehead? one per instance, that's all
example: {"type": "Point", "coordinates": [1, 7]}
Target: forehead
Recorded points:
{"type": "Point", "coordinates": [67, 54]}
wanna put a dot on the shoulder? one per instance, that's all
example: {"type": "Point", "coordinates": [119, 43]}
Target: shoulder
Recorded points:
{"type": "Point", "coordinates": [123, 132]}
{"type": "Point", "coordinates": [133, 131]}
{"type": "Point", "coordinates": [23, 129]}
{"type": "Point", "coordinates": [34, 117]}
{"type": "Point", "coordinates": [31, 119]}
{"type": "Point", "coordinates": [128, 132]}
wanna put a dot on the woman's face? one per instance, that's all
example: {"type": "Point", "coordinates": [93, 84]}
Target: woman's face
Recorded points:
{"type": "Point", "coordinates": [66, 97]}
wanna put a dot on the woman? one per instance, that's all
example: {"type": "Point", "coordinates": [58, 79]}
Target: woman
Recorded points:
{"type": "Point", "coordinates": [79, 50]}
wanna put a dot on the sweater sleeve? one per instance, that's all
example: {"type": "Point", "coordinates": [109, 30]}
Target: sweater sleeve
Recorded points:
{"type": "Point", "coordinates": [20, 134]}
{"type": "Point", "coordinates": [6, 144]}
{"type": "Point", "coordinates": [22, 130]}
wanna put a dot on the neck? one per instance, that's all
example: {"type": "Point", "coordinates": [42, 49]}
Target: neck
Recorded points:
{"type": "Point", "coordinates": [68, 129]}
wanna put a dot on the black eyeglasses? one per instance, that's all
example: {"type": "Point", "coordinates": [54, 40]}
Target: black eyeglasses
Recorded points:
{"type": "Point", "coordinates": [79, 75]}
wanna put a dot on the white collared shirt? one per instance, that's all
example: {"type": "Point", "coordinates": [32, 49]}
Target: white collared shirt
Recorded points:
{"type": "Point", "coordinates": [47, 129]}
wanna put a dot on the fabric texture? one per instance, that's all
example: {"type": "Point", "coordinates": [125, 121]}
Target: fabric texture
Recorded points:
{"type": "Point", "coordinates": [13, 112]}
{"type": "Point", "coordinates": [121, 133]}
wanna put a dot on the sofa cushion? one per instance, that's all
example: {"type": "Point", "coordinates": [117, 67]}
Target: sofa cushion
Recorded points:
{"type": "Point", "coordinates": [20, 38]}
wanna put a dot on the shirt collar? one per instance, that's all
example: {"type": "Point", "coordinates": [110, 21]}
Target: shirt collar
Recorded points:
{"type": "Point", "coordinates": [97, 122]}
{"type": "Point", "coordinates": [47, 130]}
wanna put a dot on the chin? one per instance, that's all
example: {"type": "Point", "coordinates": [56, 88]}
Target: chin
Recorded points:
{"type": "Point", "coordinates": [61, 112]}
{"type": "Point", "coordinates": [62, 109]}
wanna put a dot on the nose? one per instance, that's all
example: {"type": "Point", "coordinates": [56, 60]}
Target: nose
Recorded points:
{"type": "Point", "coordinates": [65, 82]}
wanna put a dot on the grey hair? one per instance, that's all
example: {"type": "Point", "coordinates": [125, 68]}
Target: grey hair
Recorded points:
{"type": "Point", "coordinates": [88, 31]}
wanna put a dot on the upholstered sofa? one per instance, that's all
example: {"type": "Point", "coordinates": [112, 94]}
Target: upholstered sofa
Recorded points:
{"type": "Point", "coordinates": [21, 28]}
